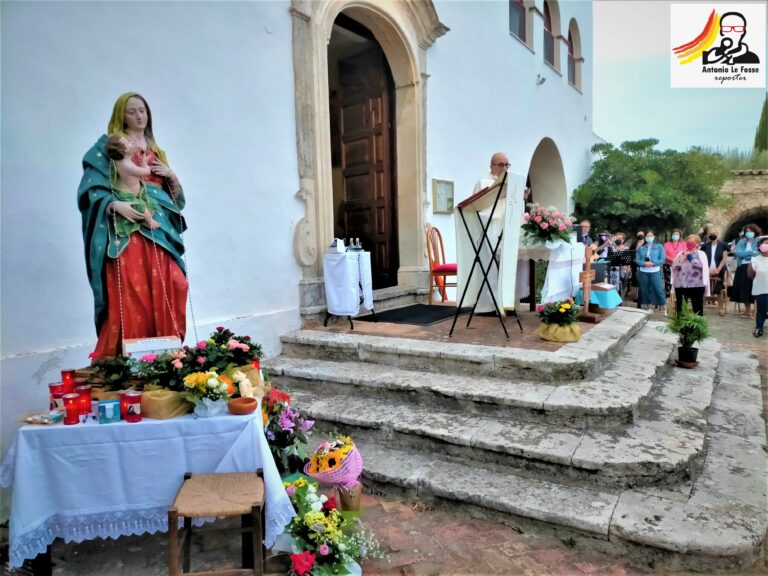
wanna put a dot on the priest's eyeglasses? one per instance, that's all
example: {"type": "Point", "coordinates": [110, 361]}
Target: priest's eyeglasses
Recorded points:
{"type": "Point", "coordinates": [502, 164]}
{"type": "Point", "coordinates": [732, 28]}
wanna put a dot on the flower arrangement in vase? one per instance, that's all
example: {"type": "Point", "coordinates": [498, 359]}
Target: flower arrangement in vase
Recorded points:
{"type": "Point", "coordinates": [208, 391]}
{"type": "Point", "coordinates": [546, 224]}
{"type": "Point", "coordinates": [286, 430]}
{"type": "Point", "coordinates": [559, 321]}
{"type": "Point", "coordinates": [324, 540]}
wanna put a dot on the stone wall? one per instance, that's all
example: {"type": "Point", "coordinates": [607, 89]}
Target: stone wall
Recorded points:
{"type": "Point", "coordinates": [749, 190]}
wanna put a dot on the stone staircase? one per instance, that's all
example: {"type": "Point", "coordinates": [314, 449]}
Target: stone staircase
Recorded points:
{"type": "Point", "coordinates": [587, 440]}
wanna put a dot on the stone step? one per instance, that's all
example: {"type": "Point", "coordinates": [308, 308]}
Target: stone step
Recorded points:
{"type": "Point", "coordinates": [716, 521]}
{"type": "Point", "coordinates": [574, 361]}
{"type": "Point", "coordinates": [607, 400]}
{"type": "Point", "coordinates": [659, 447]}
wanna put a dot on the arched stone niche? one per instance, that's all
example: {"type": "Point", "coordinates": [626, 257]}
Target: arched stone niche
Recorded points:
{"type": "Point", "coordinates": [547, 176]}
{"type": "Point", "coordinates": [405, 30]}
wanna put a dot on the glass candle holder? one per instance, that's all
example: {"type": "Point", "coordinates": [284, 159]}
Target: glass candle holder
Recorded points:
{"type": "Point", "coordinates": [123, 404]}
{"type": "Point", "coordinates": [72, 408]}
{"type": "Point", "coordinates": [133, 406]}
{"type": "Point", "coordinates": [57, 400]}
{"type": "Point", "coordinates": [68, 379]}
{"type": "Point", "coordinates": [84, 392]}
{"type": "Point", "coordinates": [54, 388]}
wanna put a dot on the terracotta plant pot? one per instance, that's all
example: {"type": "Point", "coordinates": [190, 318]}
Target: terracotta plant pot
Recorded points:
{"type": "Point", "coordinates": [241, 406]}
{"type": "Point", "coordinates": [349, 498]}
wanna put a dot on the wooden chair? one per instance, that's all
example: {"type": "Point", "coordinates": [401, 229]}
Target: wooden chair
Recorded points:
{"type": "Point", "coordinates": [439, 270]}
{"type": "Point", "coordinates": [214, 496]}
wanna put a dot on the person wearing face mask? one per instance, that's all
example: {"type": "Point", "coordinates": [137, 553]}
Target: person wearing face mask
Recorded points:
{"type": "Point", "coordinates": [690, 276]}
{"type": "Point", "coordinates": [633, 276]}
{"type": "Point", "coordinates": [649, 260]}
{"type": "Point", "coordinates": [619, 241]}
{"type": "Point", "coordinates": [717, 255]}
{"type": "Point", "coordinates": [758, 271]}
{"type": "Point", "coordinates": [671, 249]}
{"type": "Point", "coordinates": [746, 249]}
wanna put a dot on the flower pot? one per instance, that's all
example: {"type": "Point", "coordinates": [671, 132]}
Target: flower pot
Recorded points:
{"type": "Point", "coordinates": [555, 333]}
{"type": "Point", "coordinates": [349, 498]}
{"type": "Point", "coordinates": [242, 406]}
{"type": "Point", "coordinates": [687, 355]}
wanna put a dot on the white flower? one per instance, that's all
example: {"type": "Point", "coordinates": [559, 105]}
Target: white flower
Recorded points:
{"type": "Point", "coordinates": [341, 546]}
{"type": "Point", "coordinates": [311, 489]}
{"type": "Point", "coordinates": [323, 498]}
{"type": "Point", "coordinates": [212, 382]}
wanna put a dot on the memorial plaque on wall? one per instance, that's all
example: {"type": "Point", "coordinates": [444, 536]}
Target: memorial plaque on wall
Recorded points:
{"type": "Point", "coordinates": [442, 196]}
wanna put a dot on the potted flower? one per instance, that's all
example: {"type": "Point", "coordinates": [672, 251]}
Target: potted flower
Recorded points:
{"type": "Point", "coordinates": [337, 462]}
{"type": "Point", "coordinates": [286, 430]}
{"type": "Point", "coordinates": [543, 225]}
{"type": "Point", "coordinates": [690, 329]}
{"type": "Point", "coordinates": [208, 391]}
{"type": "Point", "coordinates": [559, 321]}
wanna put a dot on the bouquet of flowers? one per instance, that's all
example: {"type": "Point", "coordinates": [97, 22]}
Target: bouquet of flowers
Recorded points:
{"type": "Point", "coordinates": [221, 350]}
{"type": "Point", "coordinates": [542, 224]}
{"type": "Point", "coordinates": [286, 429]}
{"type": "Point", "coordinates": [563, 312]}
{"type": "Point", "coordinates": [326, 541]}
{"type": "Point", "coordinates": [336, 462]}
{"type": "Point", "coordinates": [210, 385]}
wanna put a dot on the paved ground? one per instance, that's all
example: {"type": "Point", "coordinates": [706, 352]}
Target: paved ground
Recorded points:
{"type": "Point", "coordinates": [420, 540]}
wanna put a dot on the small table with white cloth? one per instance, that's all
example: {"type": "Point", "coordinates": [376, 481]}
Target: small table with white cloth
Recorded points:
{"type": "Point", "coordinates": [104, 481]}
{"type": "Point", "coordinates": [348, 281]}
{"type": "Point", "coordinates": [565, 260]}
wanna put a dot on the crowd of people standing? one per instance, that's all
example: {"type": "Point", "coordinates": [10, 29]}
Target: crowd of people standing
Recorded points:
{"type": "Point", "coordinates": [689, 268]}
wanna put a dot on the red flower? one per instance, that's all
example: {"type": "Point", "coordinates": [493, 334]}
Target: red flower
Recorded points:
{"type": "Point", "coordinates": [219, 328]}
{"type": "Point", "coordinates": [302, 563]}
{"type": "Point", "coordinates": [275, 397]}
{"type": "Point", "coordinates": [330, 504]}
{"type": "Point", "coordinates": [93, 355]}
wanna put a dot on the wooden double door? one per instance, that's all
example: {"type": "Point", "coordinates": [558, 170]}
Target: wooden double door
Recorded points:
{"type": "Point", "coordinates": [367, 157]}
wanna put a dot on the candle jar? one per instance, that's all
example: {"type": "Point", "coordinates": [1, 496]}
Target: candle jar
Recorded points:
{"type": "Point", "coordinates": [123, 404]}
{"type": "Point", "coordinates": [84, 392]}
{"type": "Point", "coordinates": [55, 388]}
{"type": "Point", "coordinates": [133, 406]}
{"type": "Point", "coordinates": [72, 408]}
{"type": "Point", "coordinates": [68, 379]}
{"type": "Point", "coordinates": [57, 400]}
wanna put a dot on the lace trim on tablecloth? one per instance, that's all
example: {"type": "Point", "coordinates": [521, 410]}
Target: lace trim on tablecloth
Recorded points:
{"type": "Point", "coordinates": [121, 523]}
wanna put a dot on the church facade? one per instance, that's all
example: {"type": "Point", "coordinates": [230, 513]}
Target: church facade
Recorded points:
{"type": "Point", "coordinates": [289, 123]}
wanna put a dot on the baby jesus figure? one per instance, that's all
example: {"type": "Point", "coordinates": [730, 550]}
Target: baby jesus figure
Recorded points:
{"type": "Point", "coordinates": [128, 184]}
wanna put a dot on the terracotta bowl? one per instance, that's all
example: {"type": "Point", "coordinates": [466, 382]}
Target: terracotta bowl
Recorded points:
{"type": "Point", "coordinates": [242, 406]}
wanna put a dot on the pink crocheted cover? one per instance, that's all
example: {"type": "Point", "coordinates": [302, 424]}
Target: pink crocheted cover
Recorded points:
{"type": "Point", "coordinates": [346, 475]}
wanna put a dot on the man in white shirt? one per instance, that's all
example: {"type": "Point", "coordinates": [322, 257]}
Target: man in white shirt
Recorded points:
{"type": "Point", "coordinates": [499, 165]}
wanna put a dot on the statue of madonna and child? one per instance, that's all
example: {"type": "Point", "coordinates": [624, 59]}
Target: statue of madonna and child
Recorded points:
{"type": "Point", "coordinates": [131, 203]}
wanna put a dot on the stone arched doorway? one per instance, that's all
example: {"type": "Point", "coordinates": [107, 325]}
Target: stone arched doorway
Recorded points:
{"type": "Point", "coordinates": [404, 30]}
{"type": "Point", "coordinates": [547, 177]}
{"type": "Point", "coordinates": [748, 192]}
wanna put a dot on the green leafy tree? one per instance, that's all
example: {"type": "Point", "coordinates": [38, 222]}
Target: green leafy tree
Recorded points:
{"type": "Point", "coordinates": [636, 186]}
{"type": "Point", "coordinates": [761, 134]}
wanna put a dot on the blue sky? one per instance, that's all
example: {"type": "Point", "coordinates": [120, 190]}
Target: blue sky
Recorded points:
{"type": "Point", "coordinates": [632, 94]}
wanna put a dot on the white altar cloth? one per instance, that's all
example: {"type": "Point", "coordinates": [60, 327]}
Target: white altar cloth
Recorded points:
{"type": "Point", "coordinates": [104, 481]}
{"type": "Point", "coordinates": [347, 277]}
{"type": "Point", "coordinates": [565, 261]}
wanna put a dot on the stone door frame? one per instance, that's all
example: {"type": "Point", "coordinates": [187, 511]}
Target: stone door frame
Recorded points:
{"type": "Point", "coordinates": [405, 29]}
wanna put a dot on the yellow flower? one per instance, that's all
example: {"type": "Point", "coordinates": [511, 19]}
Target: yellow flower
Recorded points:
{"type": "Point", "coordinates": [567, 306]}
{"type": "Point", "coordinates": [561, 310]}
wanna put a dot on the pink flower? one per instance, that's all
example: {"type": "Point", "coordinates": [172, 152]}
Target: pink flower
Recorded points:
{"type": "Point", "coordinates": [290, 490]}
{"type": "Point", "coordinates": [544, 225]}
{"type": "Point", "coordinates": [235, 345]}
{"type": "Point", "coordinates": [568, 222]}
{"type": "Point", "coordinates": [324, 549]}
{"type": "Point", "coordinates": [177, 364]}
{"type": "Point", "coordinates": [202, 344]}
{"type": "Point", "coordinates": [148, 358]}
{"type": "Point", "coordinates": [200, 360]}
{"type": "Point", "coordinates": [537, 218]}
{"type": "Point", "coordinates": [527, 217]}
{"type": "Point", "coordinates": [539, 308]}
{"type": "Point", "coordinates": [93, 355]}
{"type": "Point", "coordinates": [561, 227]}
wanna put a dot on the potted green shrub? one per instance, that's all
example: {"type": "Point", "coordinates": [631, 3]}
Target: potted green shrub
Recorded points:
{"type": "Point", "coordinates": [690, 329]}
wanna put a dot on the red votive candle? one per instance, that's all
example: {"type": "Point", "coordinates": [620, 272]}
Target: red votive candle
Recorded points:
{"type": "Point", "coordinates": [68, 379]}
{"type": "Point", "coordinates": [55, 388]}
{"type": "Point", "coordinates": [72, 408]}
{"type": "Point", "coordinates": [123, 404]}
{"type": "Point", "coordinates": [133, 406]}
{"type": "Point", "coordinates": [84, 393]}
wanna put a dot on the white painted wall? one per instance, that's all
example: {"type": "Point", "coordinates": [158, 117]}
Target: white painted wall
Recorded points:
{"type": "Point", "coordinates": [482, 97]}
{"type": "Point", "coordinates": [219, 79]}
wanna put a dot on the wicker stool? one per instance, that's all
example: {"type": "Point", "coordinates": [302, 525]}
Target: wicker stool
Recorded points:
{"type": "Point", "coordinates": [218, 495]}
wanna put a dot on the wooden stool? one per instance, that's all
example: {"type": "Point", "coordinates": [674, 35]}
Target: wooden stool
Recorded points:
{"type": "Point", "coordinates": [218, 495]}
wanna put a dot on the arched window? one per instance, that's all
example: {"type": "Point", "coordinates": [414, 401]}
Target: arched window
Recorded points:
{"type": "Point", "coordinates": [549, 37]}
{"type": "Point", "coordinates": [517, 19]}
{"type": "Point", "coordinates": [575, 58]}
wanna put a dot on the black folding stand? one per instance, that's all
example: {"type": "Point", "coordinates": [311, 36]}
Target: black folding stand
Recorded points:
{"type": "Point", "coordinates": [619, 259]}
{"type": "Point", "coordinates": [478, 262]}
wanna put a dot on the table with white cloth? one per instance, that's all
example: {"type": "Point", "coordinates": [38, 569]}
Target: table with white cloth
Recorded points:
{"type": "Point", "coordinates": [97, 481]}
{"type": "Point", "coordinates": [348, 281]}
{"type": "Point", "coordinates": [565, 260]}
